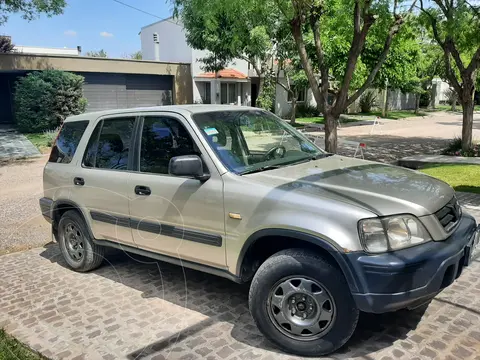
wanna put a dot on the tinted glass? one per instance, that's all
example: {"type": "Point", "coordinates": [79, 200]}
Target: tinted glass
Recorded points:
{"type": "Point", "coordinates": [162, 139]}
{"type": "Point", "coordinates": [249, 140]}
{"type": "Point", "coordinates": [92, 146]}
{"type": "Point", "coordinates": [109, 144]}
{"type": "Point", "coordinates": [67, 141]}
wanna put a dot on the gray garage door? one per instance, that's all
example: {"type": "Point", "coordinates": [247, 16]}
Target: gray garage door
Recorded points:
{"type": "Point", "coordinates": [120, 91]}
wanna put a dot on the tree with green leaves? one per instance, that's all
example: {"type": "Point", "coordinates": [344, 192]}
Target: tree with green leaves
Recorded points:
{"type": "Point", "coordinates": [137, 55]}
{"type": "Point", "coordinates": [6, 45]}
{"type": "Point", "coordinates": [101, 53]}
{"type": "Point", "coordinates": [455, 27]}
{"type": "Point", "coordinates": [30, 9]}
{"type": "Point", "coordinates": [348, 25]}
{"type": "Point", "coordinates": [230, 30]}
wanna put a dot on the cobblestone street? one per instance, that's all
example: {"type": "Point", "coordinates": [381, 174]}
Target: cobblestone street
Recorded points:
{"type": "Point", "coordinates": [133, 308]}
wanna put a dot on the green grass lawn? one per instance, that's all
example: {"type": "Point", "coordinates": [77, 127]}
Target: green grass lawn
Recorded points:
{"type": "Point", "coordinates": [11, 349]}
{"type": "Point", "coordinates": [311, 120]}
{"type": "Point", "coordinates": [464, 178]}
{"type": "Point", "coordinates": [43, 141]}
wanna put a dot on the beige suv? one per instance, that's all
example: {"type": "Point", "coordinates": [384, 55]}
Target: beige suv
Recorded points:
{"type": "Point", "coordinates": [237, 192]}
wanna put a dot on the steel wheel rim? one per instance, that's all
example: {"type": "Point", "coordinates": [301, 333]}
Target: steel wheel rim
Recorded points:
{"type": "Point", "coordinates": [74, 242]}
{"type": "Point", "coordinates": [301, 308]}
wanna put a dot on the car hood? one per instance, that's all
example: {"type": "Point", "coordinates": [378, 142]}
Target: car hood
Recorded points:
{"type": "Point", "coordinates": [380, 188]}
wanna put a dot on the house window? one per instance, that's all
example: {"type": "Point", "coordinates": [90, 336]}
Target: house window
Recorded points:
{"type": "Point", "coordinates": [228, 93]}
{"type": "Point", "coordinates": [302, 96]}
{"type": "Point", "coordinates": [206, 93]}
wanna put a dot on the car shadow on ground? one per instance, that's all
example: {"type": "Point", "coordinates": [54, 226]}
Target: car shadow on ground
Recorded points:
{"type": "Point", "coordinates": [224, 301]}
{"type": "Point", "coordinates": [389, 149]}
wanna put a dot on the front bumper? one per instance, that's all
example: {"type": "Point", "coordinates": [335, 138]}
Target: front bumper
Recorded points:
{"type": "Point", "coordinates": [410, 277]}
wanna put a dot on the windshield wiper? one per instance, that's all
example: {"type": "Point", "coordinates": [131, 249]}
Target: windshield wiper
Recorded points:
{"type": "Point", "coordinates": [260, 169]}
{"type": "Point", "coordinates": [321, 156]}
{"type": "Point", "coordinates": [295, 162]}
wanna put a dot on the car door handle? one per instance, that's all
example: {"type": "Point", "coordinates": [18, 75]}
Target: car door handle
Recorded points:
{"type": "Point", "coordinates": [142, 190]}
{"type": "Point", "coordinates": [79, 181]}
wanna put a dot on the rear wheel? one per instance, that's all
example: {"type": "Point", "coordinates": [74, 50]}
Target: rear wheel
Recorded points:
{"type": "Point", "coordinates": [76, 244]}
{"type": "Point", "coordinates": [302, 303]}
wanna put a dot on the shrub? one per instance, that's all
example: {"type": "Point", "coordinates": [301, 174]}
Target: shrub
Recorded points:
{"type": "Point", "coordinates": [425, 99]}
{"type": "Point", "coordinates": [44, 99]}
{"type": "Point", "coordinates": [306, 110]}
{"type": "Point", "coordinates": [50, 136]}
{"type": "Point", "coordinates": [454, 148]}
{"type": "Point", "coordinates": [452, 98]}
{"type": "Point", "coordinates": [368, 101]}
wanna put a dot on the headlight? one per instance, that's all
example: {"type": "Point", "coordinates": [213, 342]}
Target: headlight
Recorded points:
{"type": "Point", "coordinates": [391, 233]}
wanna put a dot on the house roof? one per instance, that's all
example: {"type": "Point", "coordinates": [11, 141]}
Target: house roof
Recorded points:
{"type": "Point", "coordinates": [170, 19]}
{"type": "Point", "coordinates": [225, 73]}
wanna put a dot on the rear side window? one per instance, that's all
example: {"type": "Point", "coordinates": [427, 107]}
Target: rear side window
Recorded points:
{"type": "Point", "coordinates": [109, 145]}
{"type": "Point", "coordinates": [67, 141]}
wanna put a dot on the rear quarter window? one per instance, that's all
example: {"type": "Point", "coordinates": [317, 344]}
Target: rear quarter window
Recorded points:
{"type": "Point", "coordinates": [67, 141]}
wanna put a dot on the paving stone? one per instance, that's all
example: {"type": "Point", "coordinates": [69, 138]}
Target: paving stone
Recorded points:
{"type": "Point", "coordinates": [188, 329]}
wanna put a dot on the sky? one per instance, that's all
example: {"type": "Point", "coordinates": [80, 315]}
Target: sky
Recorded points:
{"type": "Point", "coordinates": [92, 24]}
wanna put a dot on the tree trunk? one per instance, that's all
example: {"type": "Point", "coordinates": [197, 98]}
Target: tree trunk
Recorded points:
{"type": "Point", "coordinates": [261, 82]}
{"type": "Point", "coordinates": [385, 103]}
{"type": "Point", "coordinates": [468, 107]}
{"type": "Point", "coordinates": [417, 103]}
{"type": "Point", "coordinates": [330, 132]}
{"type": "Point", "coordinates": [454, 106]}
{"type": "Point", "coordinates": [294, 109]}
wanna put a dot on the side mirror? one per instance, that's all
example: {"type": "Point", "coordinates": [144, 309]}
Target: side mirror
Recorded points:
{"type": "Point", "coordinates": [187, 165]}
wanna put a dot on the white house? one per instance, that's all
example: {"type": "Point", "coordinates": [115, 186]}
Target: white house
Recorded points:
{"type": "Point", "coordinates": [165, 40]}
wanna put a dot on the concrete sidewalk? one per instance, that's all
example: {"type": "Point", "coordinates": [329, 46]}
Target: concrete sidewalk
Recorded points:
{"type": "Point", "coordinates": [15, 145]}
{"type": "Point", "coordinates": [417, 161]}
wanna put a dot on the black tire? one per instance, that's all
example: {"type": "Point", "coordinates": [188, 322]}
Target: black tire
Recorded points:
{"type": "Point", "coordinates": [92, 254]}
{"type": "Point", "coordinates": [301, 263]}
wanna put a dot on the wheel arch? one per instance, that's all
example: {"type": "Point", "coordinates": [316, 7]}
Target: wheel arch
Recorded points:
{"type": "Point", "coordinates": [60, 207]}
{"type": "Point", "coordinates": [284, 239]}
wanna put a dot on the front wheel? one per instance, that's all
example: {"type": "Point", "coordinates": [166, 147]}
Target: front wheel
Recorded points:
{"type": "Point", "coordinates": [302, 303]}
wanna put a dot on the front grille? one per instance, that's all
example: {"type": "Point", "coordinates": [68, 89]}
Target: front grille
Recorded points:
{"type": "Point", "coordinates": [449, 215]}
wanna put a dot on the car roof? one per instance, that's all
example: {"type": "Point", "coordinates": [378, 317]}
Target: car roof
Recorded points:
{"type": "Point", "coordinates": [180, 109]}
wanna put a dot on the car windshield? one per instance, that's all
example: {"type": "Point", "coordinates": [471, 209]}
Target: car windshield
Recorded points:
{"type": "Point", "coordinates": [254, 140]}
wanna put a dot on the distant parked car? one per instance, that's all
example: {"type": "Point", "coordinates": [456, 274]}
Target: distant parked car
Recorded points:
{"type": "Point", "coordinates": [236, 192]}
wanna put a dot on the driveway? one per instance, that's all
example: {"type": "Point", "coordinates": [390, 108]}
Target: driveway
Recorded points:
{"type": "Point", "coordinates": [394, 139]}
{"type": "Point", "coordinates": [135, 308]}
{"type": "Point", "coordinates": [15, 145]}
{"type": "Point", "coordinates": [21, 223]}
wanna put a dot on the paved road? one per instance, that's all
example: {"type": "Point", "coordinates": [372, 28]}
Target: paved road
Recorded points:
{"type": "Point", "coordinates": [21, 223]}
{"type": "Point", "coordinates": [133, 308]}
{"type": "Point", "coordinates": [394, 139]}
